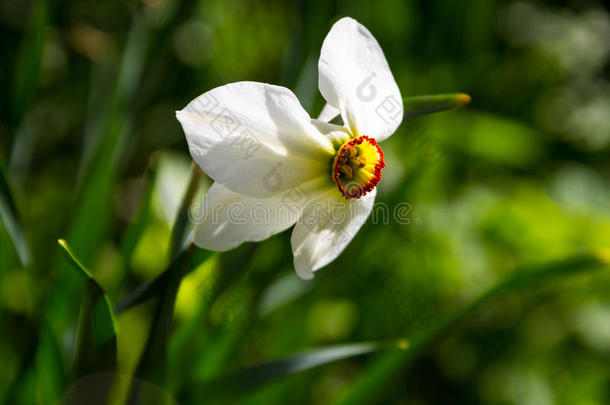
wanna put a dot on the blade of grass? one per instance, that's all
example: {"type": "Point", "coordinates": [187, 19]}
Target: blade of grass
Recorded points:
{"type": "Point", "coordinates": [381, 373]}
{"type": "Point", "coordinates": [96, 345]}
{"type": "Point", "coordinates": [260, 374]}
{"type": "Point", "coordinates": [25, 85]}
{"type": "Point", "coordinates": [12, 222]}
{"type": "Point", "coordinates": [29, 60]}
{"type": "Point", "coordinates": [421, 105]}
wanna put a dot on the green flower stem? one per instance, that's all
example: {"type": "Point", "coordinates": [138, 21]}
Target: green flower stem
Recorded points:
{"type": "Point", "coordinates": [181, 228]}
{"type": "Point", "coordinates": [153, 363]}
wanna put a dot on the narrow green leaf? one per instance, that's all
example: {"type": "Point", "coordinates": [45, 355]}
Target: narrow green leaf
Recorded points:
{"type": "Point", "coordinates": [25, 83]}
{"type": "Point", "coordinates": [421, 105]}
{"type": "Point", "coordinates": [381, 373]}
{"type": "Point", "coordinates": [96, 335]}
{"type": "Point", "coordinates": [11, 219]}
{"type": "Point", "coordinates": [29, 60]}
{"type": "Point", "coordinates": [260, 374]}
{"type": "Point", "coordinates": [73, 260]}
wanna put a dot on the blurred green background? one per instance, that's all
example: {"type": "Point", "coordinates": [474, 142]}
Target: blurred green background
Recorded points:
{"type": "Point", "coordinates": [518, 178]}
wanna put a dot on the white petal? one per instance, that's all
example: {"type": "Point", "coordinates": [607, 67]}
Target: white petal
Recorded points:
{"type": "Point", "coordinates": [328, 113]}
{"type": "Point", "coordinates": [254, 138]}
{"type": "Point", "coordinates": [355, 78]}
{"type": "Point", "coordinates": [327, 226]}
{"type": "Point", "coordinates": [337, 134]}
{"type": "Point", "coordinates": [226, 219]}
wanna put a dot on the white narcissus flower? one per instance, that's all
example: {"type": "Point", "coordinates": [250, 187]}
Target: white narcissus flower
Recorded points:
{"type": "Point", "coordinates": [275, 167]}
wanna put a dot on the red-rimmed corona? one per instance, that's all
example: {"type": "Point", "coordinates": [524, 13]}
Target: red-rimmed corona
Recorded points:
{"type": "Point", "coordinates": [357, 166]}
